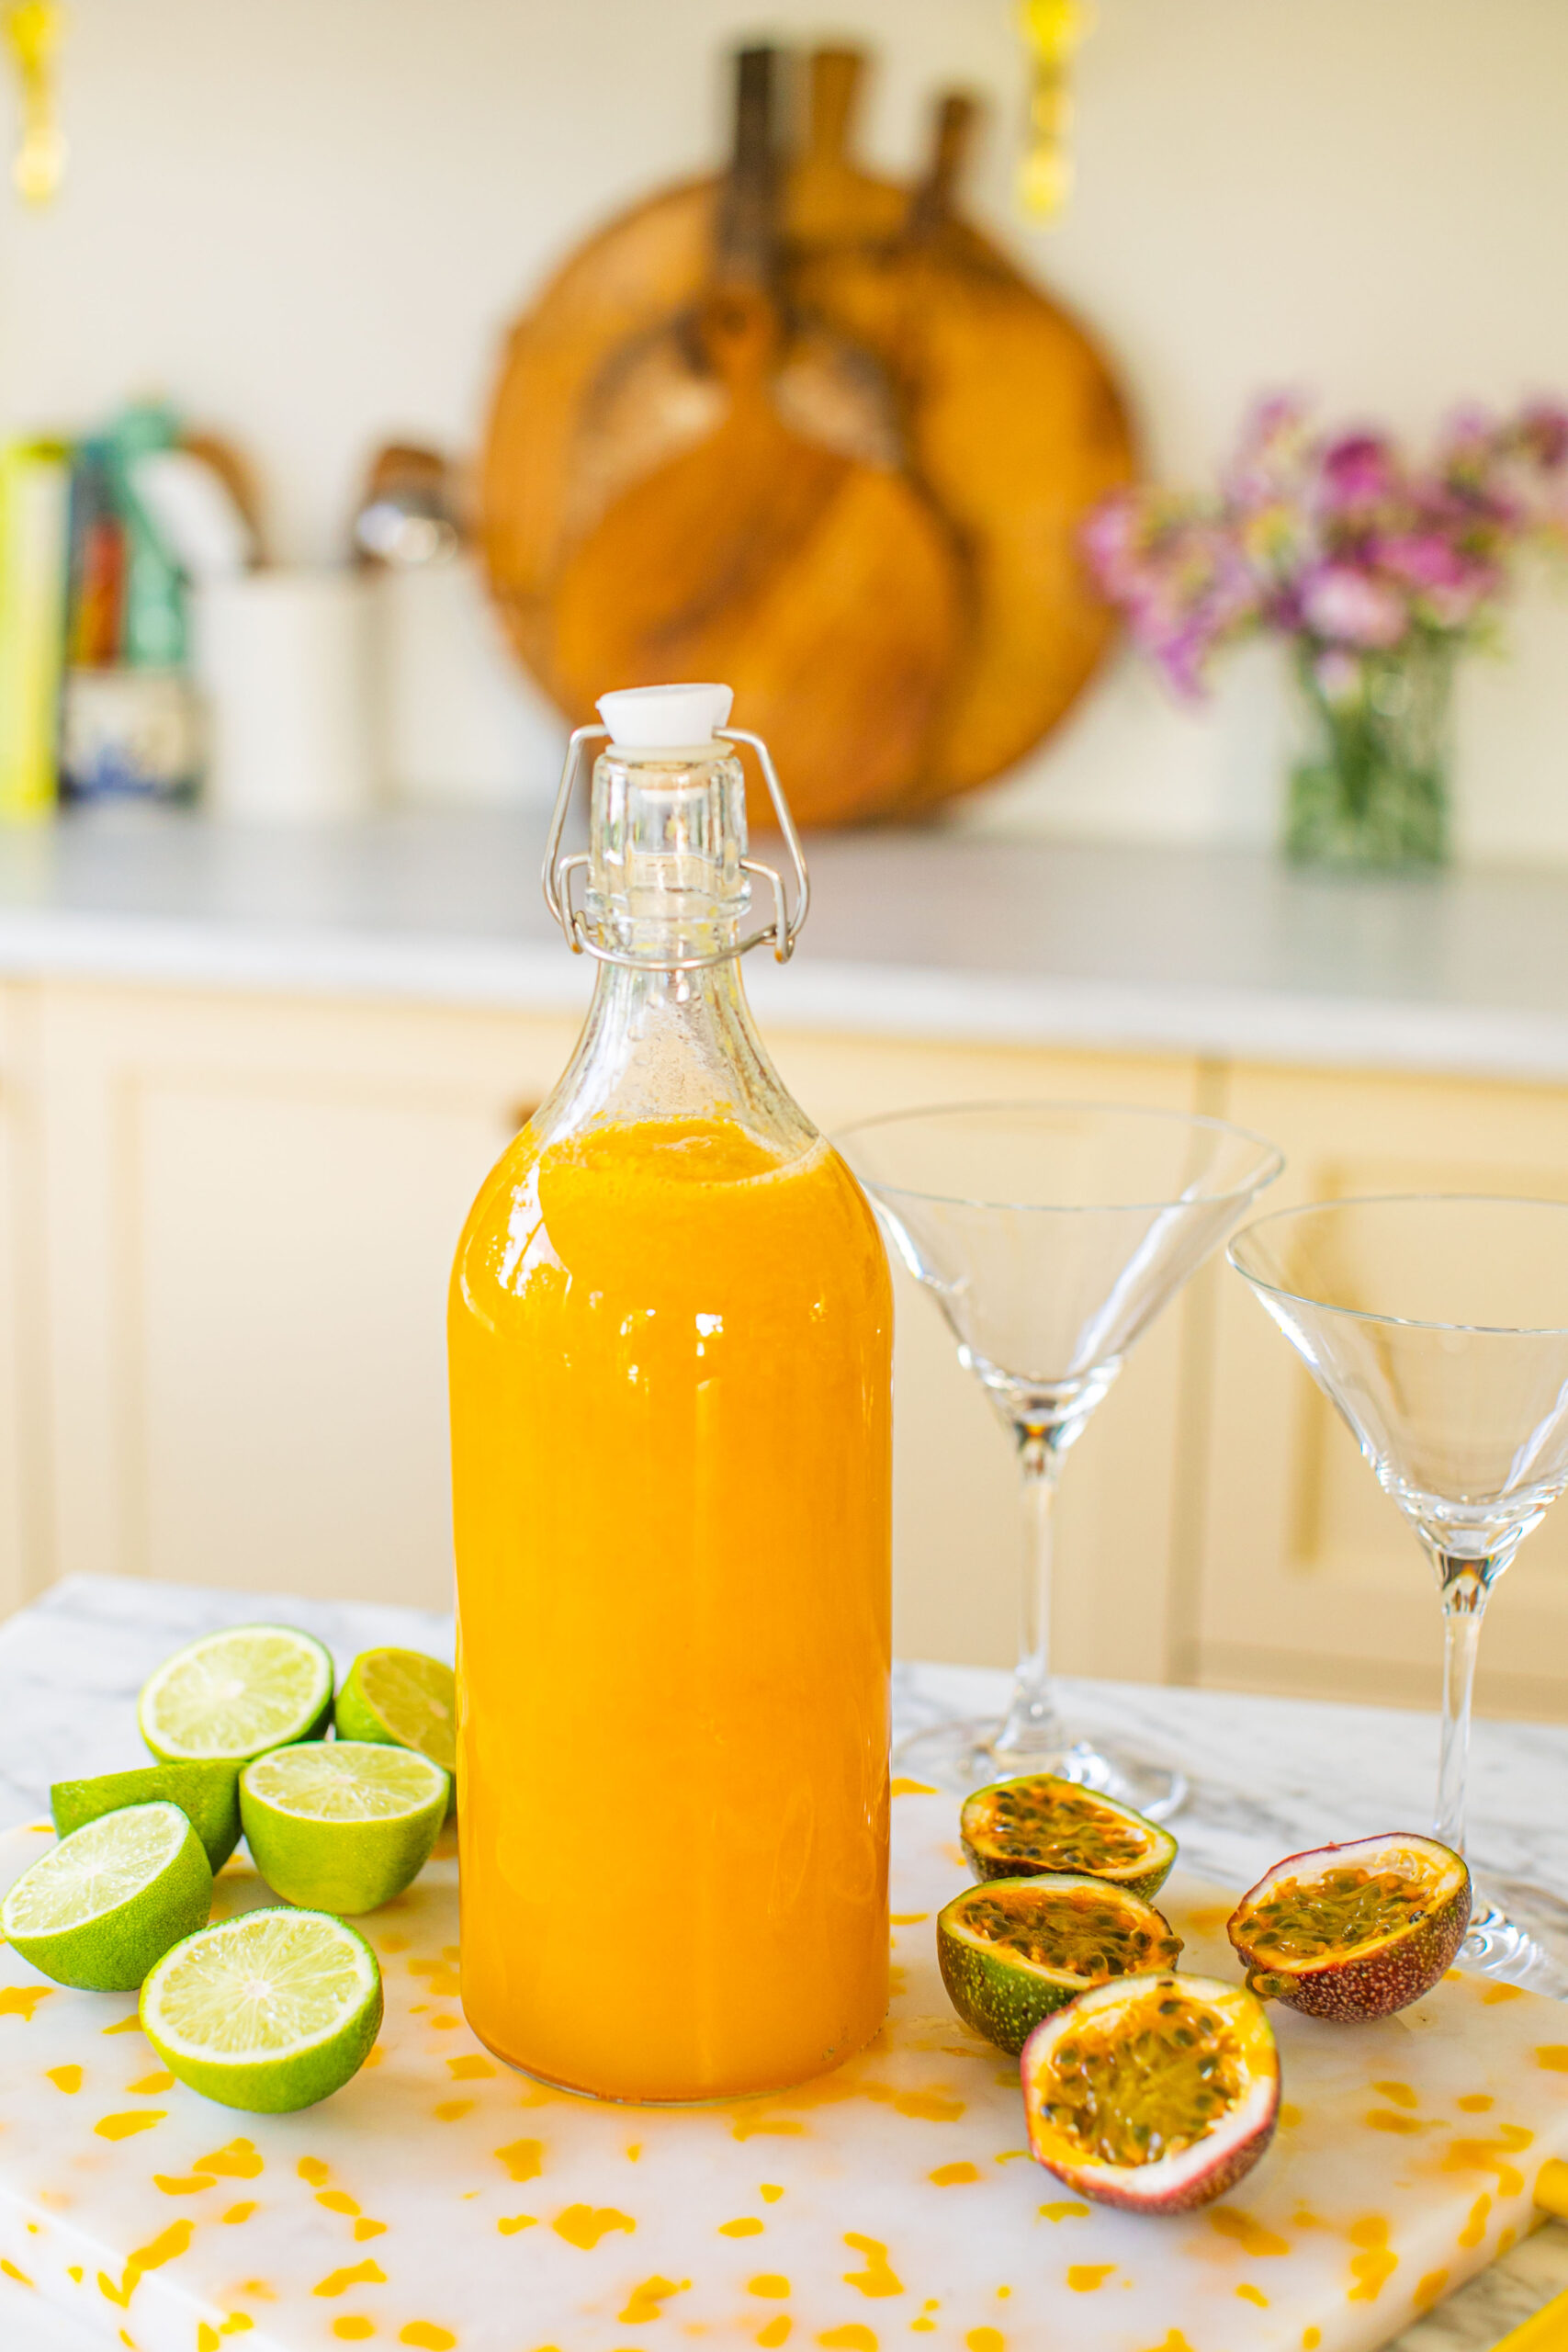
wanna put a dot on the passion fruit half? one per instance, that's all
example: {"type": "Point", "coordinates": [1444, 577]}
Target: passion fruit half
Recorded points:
{"type": "Point", "coordinates": [1012, 1950]}
{"type": "Point", "coordinates": [1354, 1931]}
{"type": "Point", "coordinates": [1018, 1828]}
{"type": "Point", "coordinates": [1155, 2093]}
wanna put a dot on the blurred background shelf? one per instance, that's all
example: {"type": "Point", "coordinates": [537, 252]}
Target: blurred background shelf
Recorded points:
{"type": "Point", "coordinates": [250, 1081]}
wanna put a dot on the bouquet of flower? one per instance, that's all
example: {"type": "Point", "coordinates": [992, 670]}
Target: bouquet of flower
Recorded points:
{"type": "Point", "coordinates": [1338, 542]}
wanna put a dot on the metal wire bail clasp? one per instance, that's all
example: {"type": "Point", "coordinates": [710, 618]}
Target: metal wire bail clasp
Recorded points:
{"type": "Point", "coordinates": [782, 933]}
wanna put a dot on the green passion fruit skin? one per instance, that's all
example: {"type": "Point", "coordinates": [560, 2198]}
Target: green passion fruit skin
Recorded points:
{"type": "Point", "coordinates": [1020, 1828]}
{"type": "Point", "coordinates": [1357, 1932]}
{"type": "Point", "coordinates": [1013, 1950]}
{"type": "Point", "coordinates": [1154, 2093]}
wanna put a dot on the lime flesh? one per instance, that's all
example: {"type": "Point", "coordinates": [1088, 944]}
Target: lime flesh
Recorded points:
{"type": "Point", "coordinates": [103, 1906]}
{"type": "Point", "coordinates": [403, 1698]}
{"type": "Point", "coordinates": [207, 1794]}
{"type": "Point", "coordinates": [236, 1694]}
{"type": "Point", "coordinates": [270, 2011]}
{"type": "Point", "coordinates": [342, 1825]}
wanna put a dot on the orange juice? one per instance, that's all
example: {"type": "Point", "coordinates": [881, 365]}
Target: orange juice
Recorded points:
{"type": "Point", "coordinates": [668, 1349]}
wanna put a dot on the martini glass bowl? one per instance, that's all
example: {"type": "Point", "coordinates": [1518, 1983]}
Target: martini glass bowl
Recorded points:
{"type": "Point", "coordinates": [1437, 1325]}
{"type": "Point", "coordinates": [1051, 1234]}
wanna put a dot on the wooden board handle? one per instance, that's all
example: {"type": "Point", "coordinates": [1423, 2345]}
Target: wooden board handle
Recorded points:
{"type": "Point", "coordinates": [746, 232]}
{"type": "Point", "coordinates": [837, 75]}
{"type": "Point", "coordinates": [952, 136]}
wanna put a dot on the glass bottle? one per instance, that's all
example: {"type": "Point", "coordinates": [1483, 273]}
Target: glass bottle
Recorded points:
{"type": "Point", "coordinates": [670, 1333]}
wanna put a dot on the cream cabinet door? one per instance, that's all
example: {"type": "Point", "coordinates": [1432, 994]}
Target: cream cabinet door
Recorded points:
{"type": "Point", "coordinates": [1311, 1581]}
{"type": "Point", "coordinates": [252, 1207]}
{"type": "Point", "coordinates": [957, 1548]}
{"type": "Point", "coordinates": [24, 1565]}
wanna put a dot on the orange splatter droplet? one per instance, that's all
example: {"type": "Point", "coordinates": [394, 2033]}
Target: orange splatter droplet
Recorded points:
{"type": "Point", "coordinates": [1496, 1993]}
{"type": "Point", "coordinates": [124, 2127]}
{"type": "Point", "coordinates": [1084, 2277]}
{"type": "Point", "coordinates": [852, 2339]}
{"type": "Point", "coordinates": [150, 2085]}
{"type": "Point", "coordinates": [1397, 2093]}
{"type": "Point", "coordinates": [353, 2330]}
{"type": "Point", "coordinates": [645, 2302]}
{"type": "Point", "coordinates": [1375, 2266]}
{"type": "Point", "coordinates": [775, 2333]}
{"type": "Point", "coordinates": [237, 2161]}
{"type": "Point", "coordinates": [427, 2336]}
{"type": "Point", "coordinates": [239, 2213]}
{"type": "Point", "coordinates": [747, 2227]}
{"type": "Point", "coordinates": [183, 2184]}
{"type": "Point", "coordinates": [1429, 2290]}
{"type": "Point", "coordinates": [923, 2106]}
{"type": "Point", "coordinates": [770, 2191]}
{"type": "Point", "coordinates": [336, 2200]}
{"type": "Point", "coordinates": [1290, 2115]}
{"type": "Point", "coordinates": [908, 1918]}
{"type": "Point", "coordinates": [1254, 2295]}
{"type": "Point", "coordinates": [1553, 2056]}
{"type": "Point", "coordinates": [207, 2339]}
{"type": "Point", "coordinates": [510, 2223]}
{"type": "Point", "coordinates": [366, 2228]}
{"type": "Point", "coordinates": [9, 2267]}
{"type": "Point", "coordinates": [1475, 2228]}
{"type": "Point", "coordinates": [904, 1788]}
{"type": "Point", "coordinates": [1064, 2210]}
{"type": "Point", "coordinates": [21, 2000]}
{"type": "Point", "coordinates": [237, 2324]}
{"type": "Point", "coordinates": [1248, 2233]}
{"type": "Point", "coordinates": [469, 2069]}
{"type": "Point", "coordinates": [771, 2285]}
{"type": "Point", "coordinates": [524, 2159]}
{"type": "Point", "coordinates": [358, 2274]}
{"type": "Point", "coordinates": [1381, 2119]}
{"type": "Point", "coordinates": [452, 2110]}
{"type": "Point", "coordinates": [584, 2225]}
{"type": "Point", "coordinates": [765, 2127]}
{"type": "Point", "coordinates": [64, 2078]}
{"type": "Point", "coordinates": [877, 2277]}
{"type": "Point", "coordinates": [1310, 2338]}
{"type": "Point", "coordinates": [952, 2176]}
{"type": "Point", "coordinates": [132, 2024]}
{"type": "Point", "coordinates": [985, 2339]}
{"type": "Point", "coordinates": [312, 2171]}
{"type": "Point", "coordinates": [1477, 2102]}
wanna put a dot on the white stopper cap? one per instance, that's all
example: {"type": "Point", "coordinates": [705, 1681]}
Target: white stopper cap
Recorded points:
{"type": "Point", "coordinates": [659, 719]}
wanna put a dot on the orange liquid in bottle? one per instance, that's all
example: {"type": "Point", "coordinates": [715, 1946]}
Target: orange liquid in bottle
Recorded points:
{"type": "Point", "coordinates": [670, 1434]}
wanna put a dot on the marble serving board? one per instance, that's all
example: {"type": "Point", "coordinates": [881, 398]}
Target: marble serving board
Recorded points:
{"type": "Point", "coordinates": [441, 2201]}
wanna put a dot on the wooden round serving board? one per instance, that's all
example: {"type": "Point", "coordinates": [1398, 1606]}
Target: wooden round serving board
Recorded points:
{"type": "Point", "coordinates": [861, 509]}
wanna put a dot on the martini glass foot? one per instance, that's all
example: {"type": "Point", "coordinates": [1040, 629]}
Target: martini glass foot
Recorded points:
{"type": "Point", "coordinates": [1520, 1936]}
{"type": "Point", "coordinates": [964, 1756]}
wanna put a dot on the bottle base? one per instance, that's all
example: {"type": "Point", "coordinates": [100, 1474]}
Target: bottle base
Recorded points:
{"type": "Point", "coordinates": [647, 2098]}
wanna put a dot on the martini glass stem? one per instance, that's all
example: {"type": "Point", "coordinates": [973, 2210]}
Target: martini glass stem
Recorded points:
{"type": "Point", "coordinates": [1031, 1727]}
{"type": "Point", "coordinates": [1464, 1603]}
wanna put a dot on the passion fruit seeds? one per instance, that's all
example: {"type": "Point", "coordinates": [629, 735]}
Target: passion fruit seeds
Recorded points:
{"type": "Point", "coordinates": [1012, 1951]}
{"type": "Point", "coordinates": [1354, 1931]}
{"type": "Point", "coordinates": [1020, 1828]}
{"type": "Point", "coordinates": [1155, 2093]}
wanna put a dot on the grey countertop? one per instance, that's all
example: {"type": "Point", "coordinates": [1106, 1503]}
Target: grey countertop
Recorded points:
{"type": "Point", "coordinates": [1270, 1777]}
{"type": "Point", "coordinates": [918, 933]}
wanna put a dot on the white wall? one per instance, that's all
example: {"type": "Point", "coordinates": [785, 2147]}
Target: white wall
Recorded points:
{"type": "Point", "coordinates": [310, 220]}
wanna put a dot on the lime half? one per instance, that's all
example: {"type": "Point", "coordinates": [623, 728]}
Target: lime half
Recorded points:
{"type": "Point", "coordinates": [100, 1907]}
{"type": "Point", "coordinates": [269, 2011]}
{"type": "Point", "coordinates": [341, 1825]}
{"type": "Point", "coordinates": [404, 1697]}
{"type": "Point", "coordinates": [207, 1794]}
{"type": "Point", "coordinates": [235, 1694]}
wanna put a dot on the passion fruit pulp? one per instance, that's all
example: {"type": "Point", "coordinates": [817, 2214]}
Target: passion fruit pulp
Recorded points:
{"type": "Point", "coordinates": [1012, 1950]}
{"type": "Point", "coordinates": [1155, 2093]}
{"type": "Point", "coordinates": [1020, 1828]}
{"type": "Point", "coordinates": [1354, 1931]}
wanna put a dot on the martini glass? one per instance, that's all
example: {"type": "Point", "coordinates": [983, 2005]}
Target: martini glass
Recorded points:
{"type": "Point", "coordinates": [1051, 1235]}
{"type": "Point", "coordinates": [1437, 1325]}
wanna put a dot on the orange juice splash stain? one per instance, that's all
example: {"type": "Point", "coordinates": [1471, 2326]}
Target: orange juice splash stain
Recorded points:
{"type": "Point", "coordinates": [337, 2201]}
{"type": "Point", "coordinates": [150, 2085]}
{"type": "Point", "coordinates": [923, 2106]}
{"type": "Point", "coordinates": [633, 2154]}
{"type": "Point", "coordinates": [771, 2285]}
{"type": "Point", "coordinates": [1290, 2115]}
{"type": "Point", "coordinates": [1496, 1993]}
{"type": "Point", "coordinates": [1177, 2341]}
{"type": "Point", "coordinates": [64, 2078]}
{"type": "Point", "coordinates": [353, 2330]}
{"type": "Point", "coordinates": [1382, 2118]}
{"type": "Point", "coordinates": [1475, 2228]}
{"type": "Point", "coordinates": [452, 2110]}
{"type": "Point", "coordinates": [742, 2129]}
{"type": "Point", "coordinates": [1310, 2338]}
{"type": "Point", "coordinates": [902, 1788]}
{"type": "Point", "coordinates": [584, 2225]}
{"type": "Point", "coordinates": [910, 1919]}
{"type": "Point", "coordinates": [124, 2127]}
{"type": "Point", "coordinates": [439, 1978]}
{"type": "Point", "coordinates": [239, 2213]}
{"type": "Point", "coordinates": [524, 2159]}
{"type": "Point", "coordinates": [775, 2333]}
{"type": "Point", "coordinates": [1475, 2103]}
{"type": "Point", "coordinates": [355, 2274]}
{"type": "Point", "coordinates": [21, 2000]}
{"type": "Point", "coordinates": [425, 2336]}
{"type": "Point", "coordinates": [985, 2339]}
{"type": "Point", "coordinates": [1553, 2056]}
{"type": "Point", "coordinates": [1087, 2277]}
{"type": "Point", "coordinates": [1244, 2231]}
{"type": "Point", "coordinates": [877, 2277]}
{"type": "Point", "coordinates": [1493, 2155]}
{"type": "Point", "coordinates": [183, 2184]}
{"type": "Point", "coordinates": [1506, 2238]}
{"type": "Point", "coordinates": [9, 2267]}
{"type": "Point", "coordinates": [1429, 2290]}
{"type": "Point", "coordinates": [852, 2339]}
{"type": "Point", "coordinates": [1011, 2155]}
{"type": "Point", "coordinates": [259, 2291]}
{"type": "Point", "coordinates": [897, 1980]}
{"type": "Point", "coordinates": [366, 2228]}
{"type": "Point", "coordinates": [313, 2172]}
{"type": "Point", "coordinates": [469, 2069]}
{"type": "Point", "coordinates": [1397, 2093]}
{"type": "Point", "coordinates": [1064, 2210]}
{"type": "Point", "coordinates": [1254, 2295]}
{"type": "Point", "coordinates": [207, 2339]}
{"type": "Point", "coordinates": [510, 2223]}
{"type": "Point", "coordinates": [744, 2228]}
{"type": "Point", "coordinates": [444, 2024]}
{"type": "Point", "coordinates": [73, 2272]}
{"type": "Point", "coordinates": [1375, 2264]}
{"type": "Point", "coordinates": [951, 2176]}
{"type": "Point", "coordinates": [237, 2161]}
{"type": "Point", "coordinates": [1208, 1918]}
{"type": "Point", "coordinates": [647, 2301]}
{"type": "Point", "coordinates": [769, 2191]}
{"type": "Point", "coordinates": [132, 2024]}
{"type": "Point", "coordinates": [236, 2324]}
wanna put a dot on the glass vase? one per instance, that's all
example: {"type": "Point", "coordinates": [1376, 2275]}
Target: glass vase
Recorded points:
{"type": "Point", "coordinates": [1370, 787]}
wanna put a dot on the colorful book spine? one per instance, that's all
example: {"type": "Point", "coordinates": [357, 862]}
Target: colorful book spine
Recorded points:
{"type": "Point", "coordinates": [35, 530]}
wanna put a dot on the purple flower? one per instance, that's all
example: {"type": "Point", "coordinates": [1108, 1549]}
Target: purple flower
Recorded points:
{"type": "Point", "coordinates": [1357, 474]}
{"type": "Point", "coordinates": [1350, 608]}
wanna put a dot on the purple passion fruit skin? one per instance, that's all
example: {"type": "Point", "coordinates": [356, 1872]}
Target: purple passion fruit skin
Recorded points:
{"type": "Point", "coordinates": [1012, 1950]}
{"type": "Point", "coordinates": [1023, 1827]}
{"type": "Point", "coordinates": [1357, 1932]}
{"type": "Point", "coordinates": [1154, 2094]}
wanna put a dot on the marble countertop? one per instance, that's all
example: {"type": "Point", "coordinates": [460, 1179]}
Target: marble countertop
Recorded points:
{"type": "Point", "coordinates": [1270, 1775]}
{"type": "Point", "coordinates": [925, 934]}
